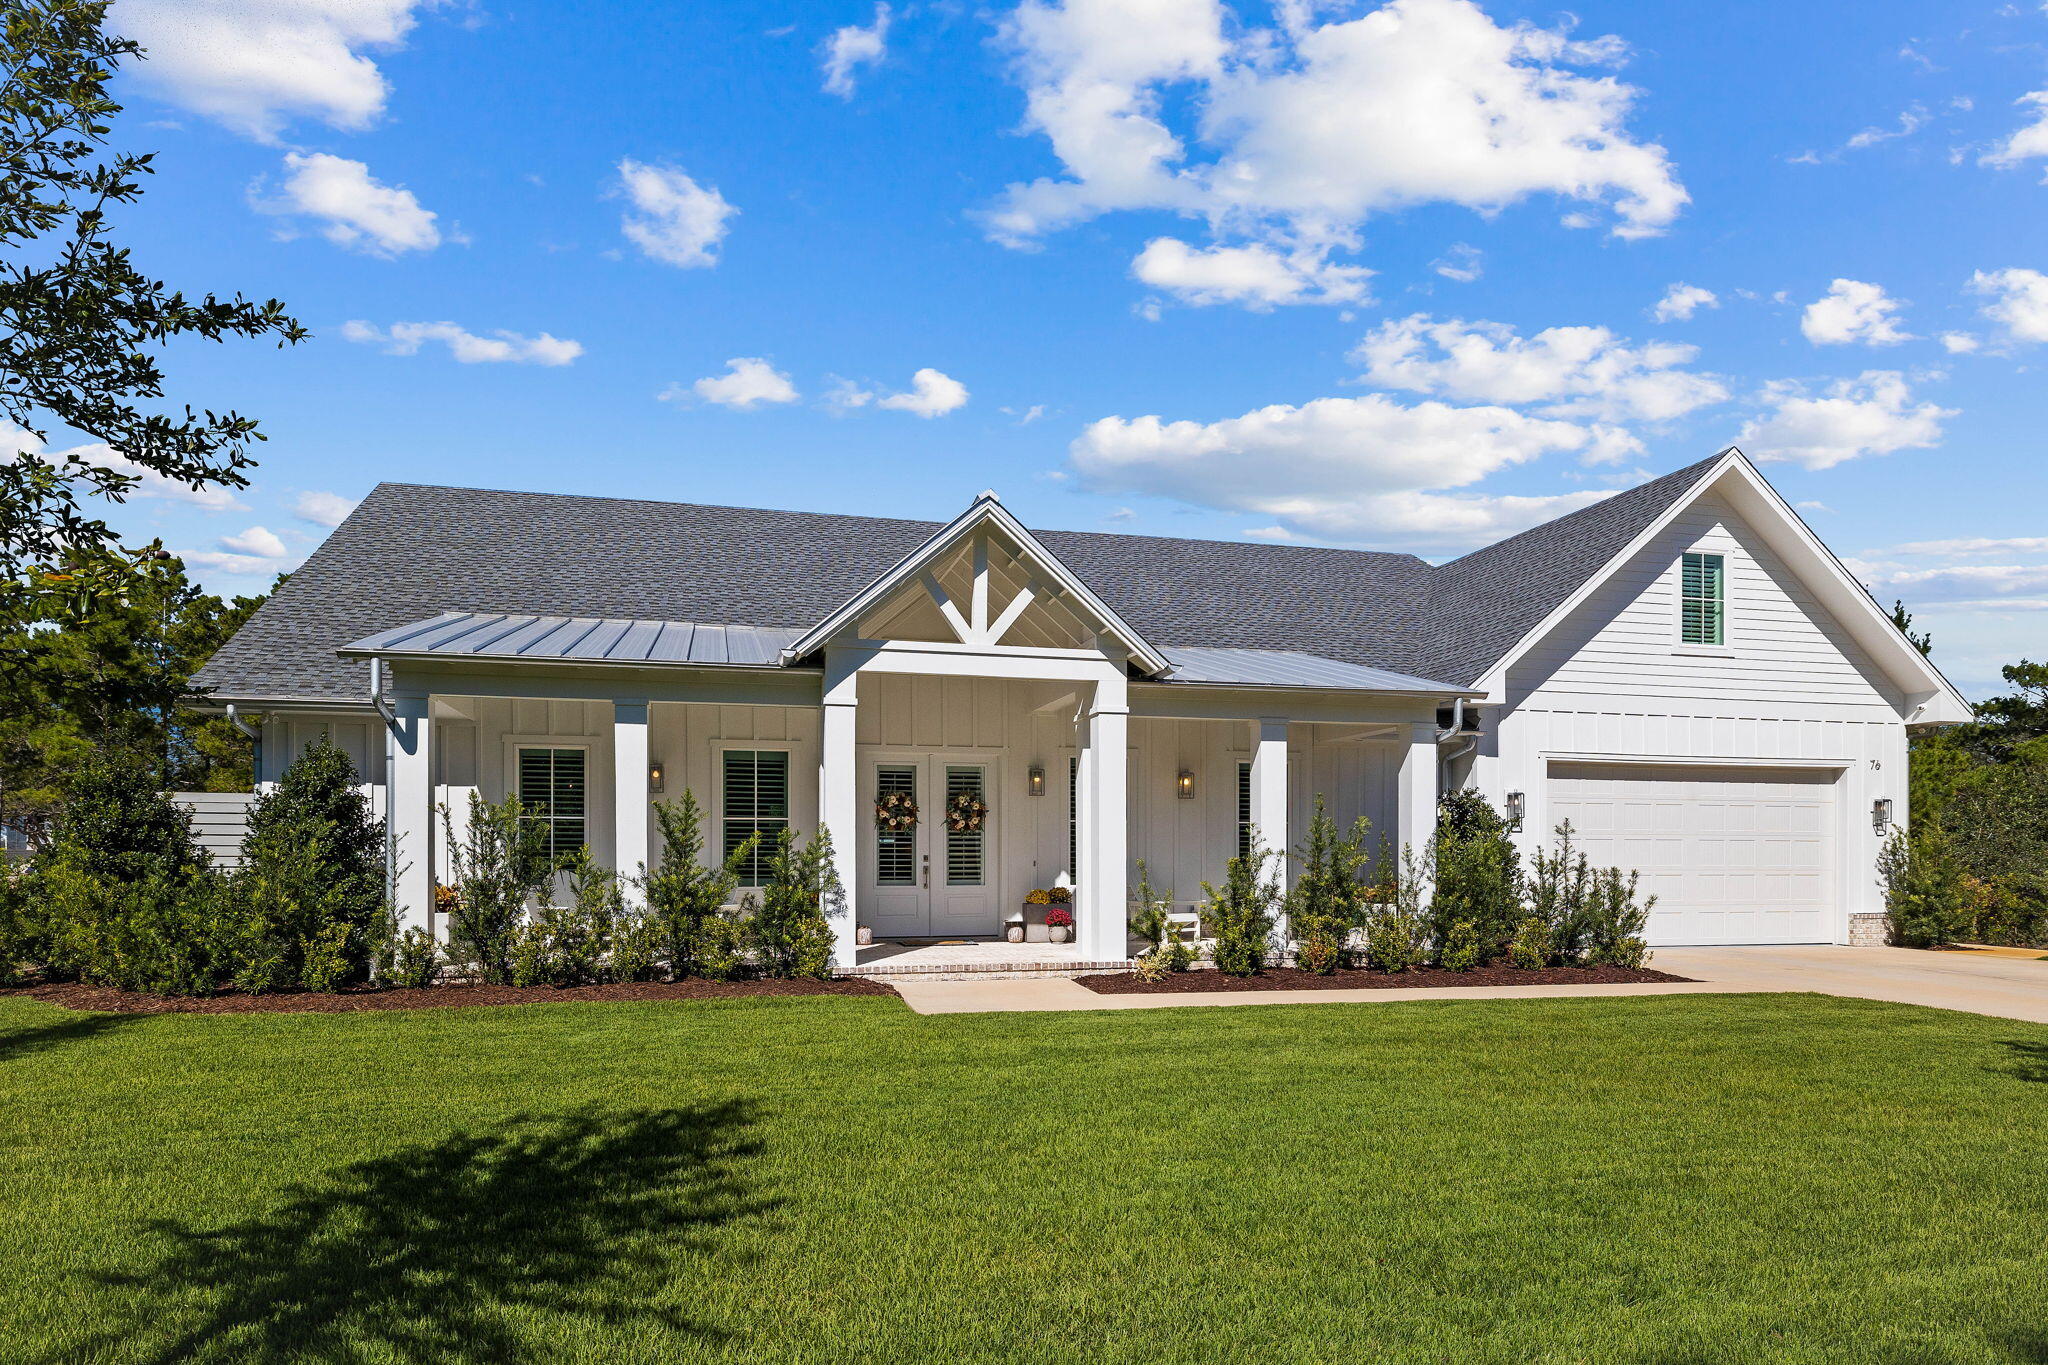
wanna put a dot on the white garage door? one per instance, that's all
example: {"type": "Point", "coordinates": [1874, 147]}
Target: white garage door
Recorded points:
{"type": "Point", "coordinates": [1733, 855]}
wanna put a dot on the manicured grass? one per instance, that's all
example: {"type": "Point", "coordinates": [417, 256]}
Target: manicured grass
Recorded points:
{"type": "Point", "coordinates": [1659, 1179]}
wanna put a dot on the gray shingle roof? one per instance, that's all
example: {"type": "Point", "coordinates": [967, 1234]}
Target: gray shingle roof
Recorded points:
{"type": "Point", "coordinates": [411, 552]}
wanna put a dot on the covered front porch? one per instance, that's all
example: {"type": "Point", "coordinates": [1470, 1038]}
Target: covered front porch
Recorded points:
{"type": "Point", "coordinates": [974, 727]}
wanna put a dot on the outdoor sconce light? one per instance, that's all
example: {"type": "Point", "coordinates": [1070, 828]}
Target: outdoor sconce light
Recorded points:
{"type": "Point", "coordinates": [655, 776]}
{"type": "Point", "coordinates": [1038, 779]}
{"type": "Point", "coordinates": [1517, 806]}
{"type": "Point", "coordinates": [1881, 814]}
{"type": "Point", "coordinates": [1185, 785]}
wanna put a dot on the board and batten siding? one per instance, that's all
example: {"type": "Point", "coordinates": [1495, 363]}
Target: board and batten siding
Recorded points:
{"type": "Point", "coordinates": [1789, 686]}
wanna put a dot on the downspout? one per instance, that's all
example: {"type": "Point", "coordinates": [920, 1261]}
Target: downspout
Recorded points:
{"type": "Point", "coordinates": [1445, 735]}
{"type": "Point", "coordinates": [390, 717]}
{"type": "Point", "coordinates": [255, 737]}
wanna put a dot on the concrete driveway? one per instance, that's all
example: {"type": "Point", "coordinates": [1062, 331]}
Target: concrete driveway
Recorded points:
{"type": "Point", "coordinates": [2008, 988]}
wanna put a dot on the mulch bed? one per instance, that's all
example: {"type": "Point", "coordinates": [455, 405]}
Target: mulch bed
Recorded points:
{"type": "Point", "coordinates": [1295, 979]}
{"type": "Point", "coordinates": [108, 1000]}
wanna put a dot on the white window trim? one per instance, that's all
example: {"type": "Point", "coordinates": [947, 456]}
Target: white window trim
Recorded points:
{"type": "Point", "coordinates": [592, 811]}
{"type": "Point", "coordinates": [1680, 646]}
{"type": "Point", "coordinates": [714, 853]}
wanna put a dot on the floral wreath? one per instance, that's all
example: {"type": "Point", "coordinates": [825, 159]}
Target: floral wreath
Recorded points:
{"type": "Point", "coordinates": [895, 812]}
{"type": "Point", "coordinates": [966, 813]}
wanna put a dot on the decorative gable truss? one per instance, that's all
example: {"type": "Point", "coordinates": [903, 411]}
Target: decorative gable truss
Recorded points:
{"type": "Point", "coordinates": [983, 583]}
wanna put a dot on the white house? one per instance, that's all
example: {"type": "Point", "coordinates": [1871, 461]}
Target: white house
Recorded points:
{"type": "Point", "coordinates": [1682, 670]}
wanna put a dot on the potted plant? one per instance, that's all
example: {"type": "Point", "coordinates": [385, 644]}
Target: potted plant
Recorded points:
{"type": "Point", "coordinates": [1059, 923]}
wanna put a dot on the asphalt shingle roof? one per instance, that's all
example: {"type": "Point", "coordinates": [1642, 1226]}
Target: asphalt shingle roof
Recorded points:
{"type": "Point", "coordinates": [414, 551]}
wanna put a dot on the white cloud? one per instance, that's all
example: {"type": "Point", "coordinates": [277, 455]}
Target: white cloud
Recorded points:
{"type": "Point", "coordinates": [500, 347]}
{"type": "Point", "coordinates": [931, 394]}
{"type": "Point", "coordinates": [1349, 469]}
{"type": "Point", "coordinates": [1811, 506]}
{"type": "Point", "coordinates": [1290, 137]}
{"type": "Point", "coordinates": [1970, 546]}
{"type": "Point", "coordinates": [1463, 263]}
{"type": "Point", "coordinates": [1681, 301]}
{"type": "Point", "coordinates": [851, 48]}
{"type": "Point", "coordinates": [1911, 120]}
{"type": "Point", "coordinates": [354, 209]}
{"type": "Point", "coordinates": [748, 382]}
{"type": "Point", "coordinates": [256, 550]}
{"type": "Point", "coordinates": [1853, 311]}
{"type": "Point", "coordinates": [323, 509]}
{"type": "Point", "coordinates": [1873, 414]}
{"type": "Point", "coordinates": [2027, 142]}
{"type": "Point", "coordinates": [1256, 276]}
{"type": "Point", "coordinates": [1571, 371]}
{"type": "Point", "coordinates": [2019, 302]}
{"type": "Point", "coordinates": [252, 64]}
{"type": "Point", "coordinates": [1959, 343]}
{"type": "Point", "coordinates": [15, 442]}
{"type": "Point", "coordinates": [675, 219]}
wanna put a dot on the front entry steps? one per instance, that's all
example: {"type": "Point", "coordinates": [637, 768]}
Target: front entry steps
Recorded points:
{"type": "Point", "coordinates": [959, 959]}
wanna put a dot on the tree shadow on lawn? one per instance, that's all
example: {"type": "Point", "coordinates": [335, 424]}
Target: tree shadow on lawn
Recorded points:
{"type": "Point", "coordinates": [76, 1028]}
{"type": "Point", "coordinates": [448, 1251]}
{"type": "Point", "coordinates": [2029, 1060]}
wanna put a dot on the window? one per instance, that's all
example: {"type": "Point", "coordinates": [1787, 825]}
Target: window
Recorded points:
{"type": "Point", "coordinates": [964, 848]}
{"type": "Point", "coordinates": [896, 849]}
{"type": "Point", "coordinates": [1244, 810]}
{"type": "Point", "coordinates": [1701, 610]}
{"type": "Point", "coordinates": [756, 802]}
{"type": "Point", "coordinates": [552, 789]}
{"type": "Point", "coordinates": [1074, 817]}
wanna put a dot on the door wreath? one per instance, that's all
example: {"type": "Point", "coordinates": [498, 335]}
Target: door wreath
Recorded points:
{"type": "Point", "coordinates": [895, 812]}
{"type": "Point", "coordinates": [966, 813]}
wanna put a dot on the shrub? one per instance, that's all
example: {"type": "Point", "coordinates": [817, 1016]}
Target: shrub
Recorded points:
{"type": "Point", "coordinates": [1530, 947]}
{"type": "Point", "coordinates": [1923, 887]}
{"type": "Point", "coordinates": [1148, 921]}
{"type": "Point", "coordinates": [1615, 920]}
{"type": "Point", "coordinates": [1478, 874]}
{"type": "Point", "coordinates": [1323, 904]}
{"type": "Point", "coordinates": [788, 933]}
{"type": "Point", "coordinates": [415, 960]}
{"type": "Point", "coordinates": [117, 826]}
{"type": "Point", "coordinates": [1460, 948]}
{"type": "Point", "coordinates": [24, 927]}
{"type": "Point", "coordinates": [2013, 911]}
{"type": "Point", "coordinates": [633, 955]}
{"type": "Point", "coordinates": [499, 864]}
{"type": "Point", "coordinates": [685, 898]}
{"type": "Point", "coordinates": [1397, 925]}
{"type": "Point", "coordinates": [312, 876]}
{"type": "Point", "coordinates": [167, 933]}
{"type": "Point", "coordinates": [1240, 913]}
{"type": "Point", "coordinates": [1560, 885]}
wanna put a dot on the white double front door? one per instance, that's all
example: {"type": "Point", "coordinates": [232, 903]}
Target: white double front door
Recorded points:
{"type": "Point", "coordinates": [929, 881]}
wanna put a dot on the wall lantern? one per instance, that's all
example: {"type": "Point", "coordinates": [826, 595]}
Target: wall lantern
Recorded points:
{"type": "Point", "coordinates": [656, 778]}
{"type": "Point", "coordinates": [1038, 779]}
{"type": "Point", "coordinates": [1518, 806]}
{"type": "Point", "coordinates": [1185, 784]}
{"type": "Point", "coordinates": [1881, 814]}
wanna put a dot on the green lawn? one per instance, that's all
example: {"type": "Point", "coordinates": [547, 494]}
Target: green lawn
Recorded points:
{"type": "Point", "coordinates": [1660, 1179]}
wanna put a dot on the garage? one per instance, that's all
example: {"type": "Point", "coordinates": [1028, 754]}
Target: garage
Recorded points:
{"type": "Point", "coordinates": [1733, 855]}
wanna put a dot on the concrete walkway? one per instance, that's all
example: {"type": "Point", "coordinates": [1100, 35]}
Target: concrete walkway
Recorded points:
{"type": "Point", "coordinates": [1979, 984]}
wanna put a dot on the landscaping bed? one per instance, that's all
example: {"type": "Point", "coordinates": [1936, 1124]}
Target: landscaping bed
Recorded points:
{"type": "Point", "coordinates": [107, 999]}
{"type": "Point", "coordinates": [1347, 979]}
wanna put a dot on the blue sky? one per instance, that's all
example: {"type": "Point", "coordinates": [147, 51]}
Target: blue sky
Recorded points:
{"type": "Point", "coordinates": [1371, 275]}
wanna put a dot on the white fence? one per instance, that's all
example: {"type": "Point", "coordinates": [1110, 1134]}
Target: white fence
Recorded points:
{"type": "Point", "coordinates": [220, 820]}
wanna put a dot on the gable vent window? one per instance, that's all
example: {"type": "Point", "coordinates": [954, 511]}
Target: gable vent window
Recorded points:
{"type": "Point", "coordinates": [756, 802]}
{"type": "Point", "coordinates": [1703, 607]}
{"type": "Point", "coordinates": [552, 789]}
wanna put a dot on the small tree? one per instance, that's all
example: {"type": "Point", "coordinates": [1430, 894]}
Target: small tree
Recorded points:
{"type": "Point", "coordinates": [1923, 887]}
{"type": "Point", "coordinates": [787, 929]}
{"type": "Point", "coordinates": [1167, 952]}
{"type": "Point", "coordinates": [1240, 913]}
{"type": "Point", "coordinates": [500, 863]}
{"type": "Point", "coordinates": [1478, 874]}
{"type": "Point", "coordinates": [117, 825]}
{"type": "Point", "coordinates": [1397, 925]}
{"type": "Point", "coordinates": [686, 920]}
{"type": "Point", "coordinates": [1323, 904]}
{"type": "Point", "coordinates": [1560, 891]}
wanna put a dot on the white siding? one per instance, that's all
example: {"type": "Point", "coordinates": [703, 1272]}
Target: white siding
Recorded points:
{"type": "Point", "coordinates": [1612, 682]}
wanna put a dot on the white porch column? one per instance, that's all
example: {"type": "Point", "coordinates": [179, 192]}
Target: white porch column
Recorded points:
{"type": "Point", "coordinates": [1269, 803]}
{"type": "Point", "coordinates": [411, 815]}
{"type": "Point", "coordinates": [1102, 907]}
{"type": "Point", "coordinates": [839, 801]}
{"type": "Point", "coordinates": [630, 811]}
{"type": "Point", "coordinates": [1415, 789]}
